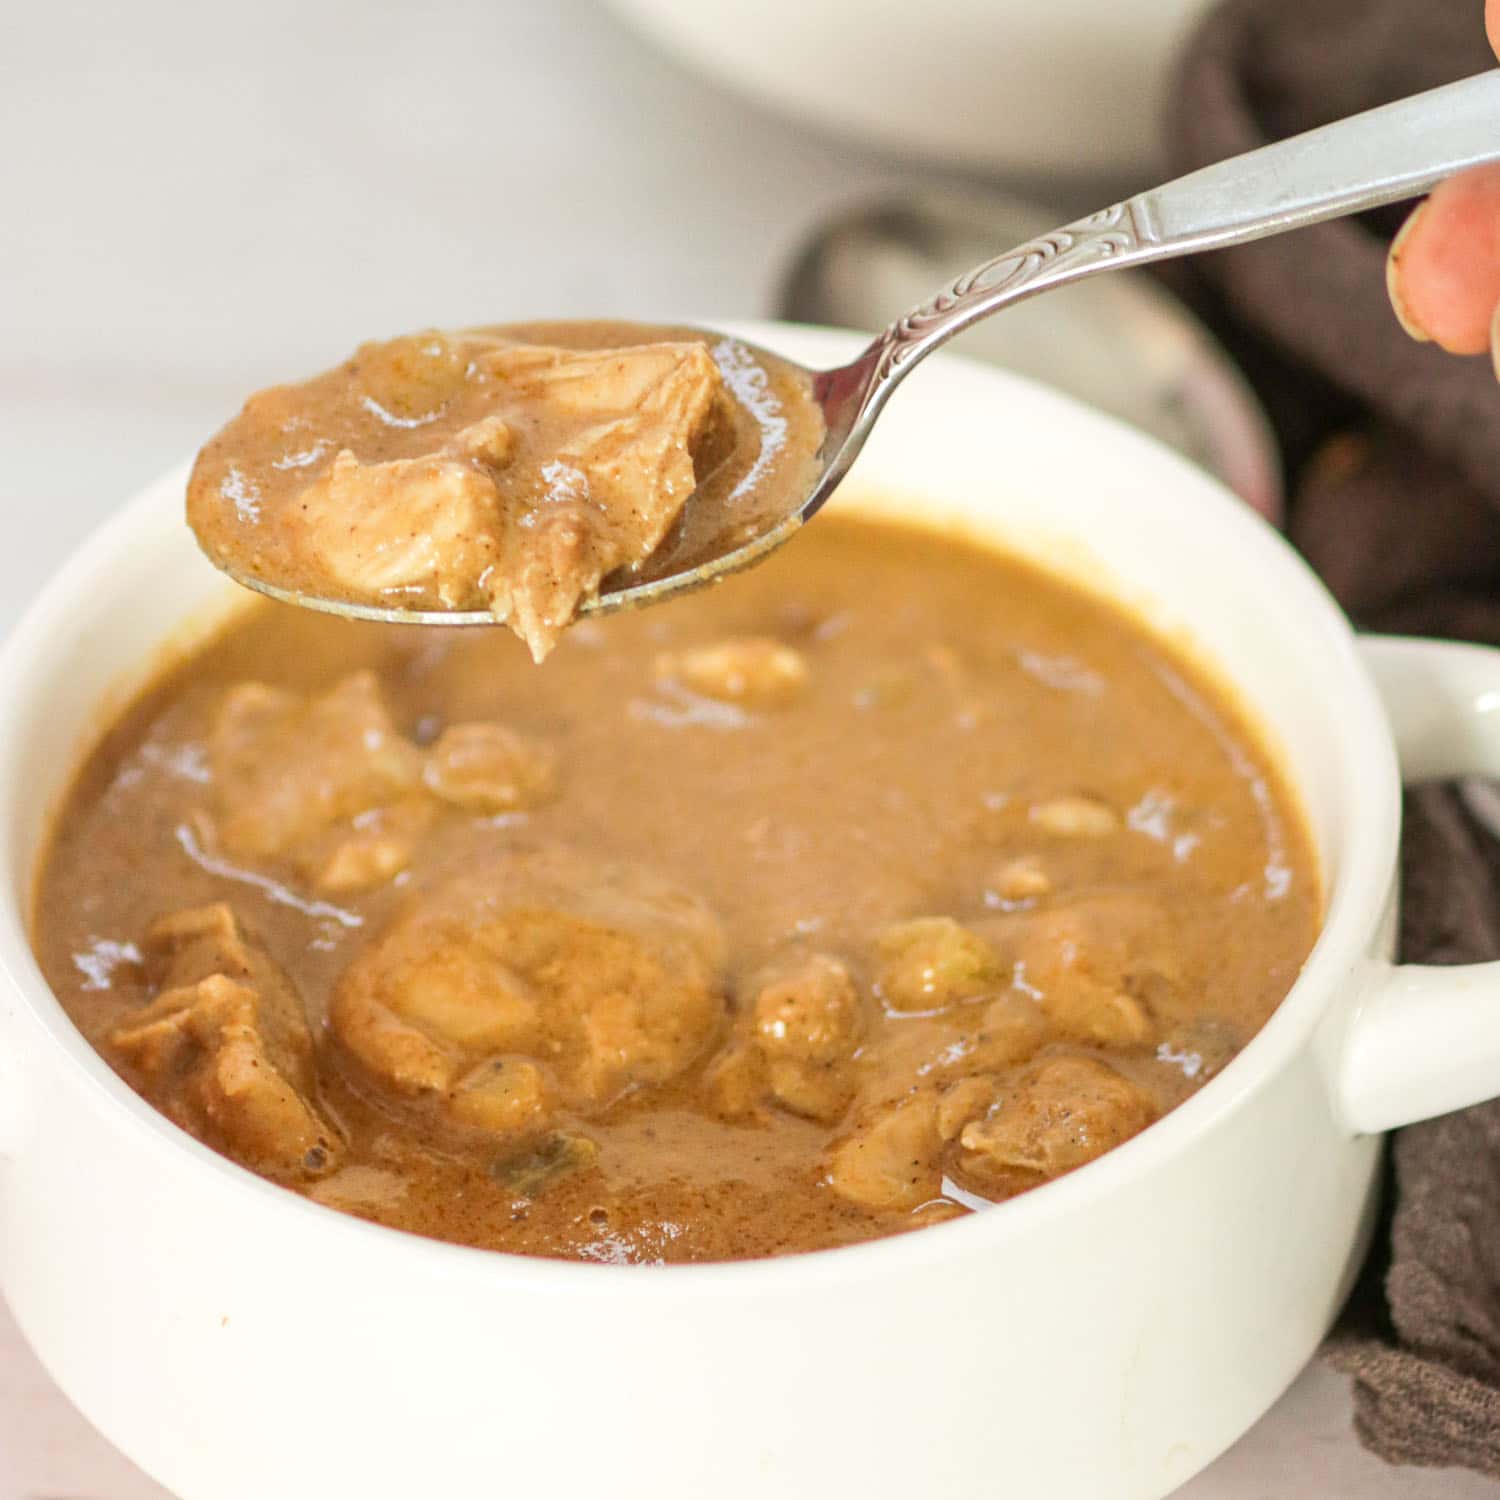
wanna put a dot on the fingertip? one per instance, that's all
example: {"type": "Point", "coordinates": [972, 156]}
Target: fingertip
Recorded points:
{"type": "Point", "coordinates": [1443, 271]}
{"type": "Point", "coordinates": [1395, 277]}
{"type": "Point", "coordinates": [1492, 24]}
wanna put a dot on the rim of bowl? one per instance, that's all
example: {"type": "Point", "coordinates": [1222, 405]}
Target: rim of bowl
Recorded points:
{"type": "Point", "coordinates": [1354, 907]}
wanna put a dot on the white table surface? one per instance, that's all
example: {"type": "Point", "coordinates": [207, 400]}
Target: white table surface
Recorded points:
{"type": "Point", "coordinates": [198, 199]}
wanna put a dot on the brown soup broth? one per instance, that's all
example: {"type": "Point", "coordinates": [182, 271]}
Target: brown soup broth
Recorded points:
{"type": "Point", "coordinates": [889, 878]}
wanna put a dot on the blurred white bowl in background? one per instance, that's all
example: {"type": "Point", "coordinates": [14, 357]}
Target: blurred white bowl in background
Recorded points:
{"type": "Point", "coordinates": [1029, 86]}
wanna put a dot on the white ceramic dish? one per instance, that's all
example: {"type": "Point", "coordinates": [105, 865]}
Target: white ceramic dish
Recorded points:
{"type": "Point", "coordinates": [1105, 1335]}
{"type": "Point", "coordinates": [1071, 87]}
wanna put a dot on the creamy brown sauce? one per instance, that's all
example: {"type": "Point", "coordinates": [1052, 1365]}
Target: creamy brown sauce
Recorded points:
{"type": "Point", "coordinates": [510, 469]}
{"type": "Point", "coordinates": [886, 880]}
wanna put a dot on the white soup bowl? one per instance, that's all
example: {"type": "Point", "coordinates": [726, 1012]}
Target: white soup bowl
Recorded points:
{"type": "Point", "coordinates": [1107, 1334]}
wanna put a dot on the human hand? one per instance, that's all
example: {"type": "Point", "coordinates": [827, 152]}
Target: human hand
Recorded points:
{"type": "Point", "coordinates": [1444, 266]}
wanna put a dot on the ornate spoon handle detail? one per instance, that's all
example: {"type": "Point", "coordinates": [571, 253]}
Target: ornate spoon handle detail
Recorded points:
{"type": "Point", "coordinates": [1108, 237]}
{"type": "Point", "coordinates": [1381, 156]}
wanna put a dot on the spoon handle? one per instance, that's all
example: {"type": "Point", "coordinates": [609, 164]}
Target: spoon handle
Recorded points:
{"type": "Point", "coordinates": [1381, 156]}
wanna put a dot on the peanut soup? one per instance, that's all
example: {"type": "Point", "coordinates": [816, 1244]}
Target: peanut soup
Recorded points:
{"type": "Point", "coordinates": [881, 884]}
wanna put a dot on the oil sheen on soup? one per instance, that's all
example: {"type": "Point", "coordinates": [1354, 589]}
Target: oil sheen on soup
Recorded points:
{"type": "Point", "coordinates": [888, 881]}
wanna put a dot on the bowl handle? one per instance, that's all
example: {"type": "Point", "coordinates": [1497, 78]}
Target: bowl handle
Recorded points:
{"type": "Point", "coordinates": [1426, 1040]}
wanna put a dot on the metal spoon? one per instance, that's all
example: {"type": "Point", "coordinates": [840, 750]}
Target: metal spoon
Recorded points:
{"type": "Point", "coordinates": [1381, 156]}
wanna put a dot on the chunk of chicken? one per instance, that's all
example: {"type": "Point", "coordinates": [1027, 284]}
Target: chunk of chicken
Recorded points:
{"type": "Point", "coordinates": [1087, 1011]}
{"type": "Point", "coordinates": [425, 528]}
{"type": "Point", "coordinates": [224, 1049]}
{"type": "Point", "coordinates": [488, 768]}
{"type": "Point", "coordinates": [756, 671]}
{"type": "Point", "coordinates": [433, 998]}
{"type": "Point", "coordinates": [1013, 1031]}
{"type": "Point", "coordinates": [892, 1159]}
{"type": "Point", "coordinates": [287, 770]}
{"type": "Point", "coordinates": [809, 1014]}
{"type": "Point", "coordinates": [1064, 1112]}
{"type": "Point", "coordinates": [611, 489]}
{"type": "Point", "coordinates": [930, 963]}
{"type": "Point", "coordinates": [332, 785]}
{"type": "Point", "coordinates": [185, 946]}
{"type": "Point", "coordinates": [736, 1083]}
{"type": "Point", "coordinates": [965, 1101]}
{"type": "Point", "coordinates": [807, 1024]}
{"type": "Point", "coordinates": [623, 397]}
{"type": "Point", "coordinates": [490, 441]}
{"type": "Point", "coordinates": [605, 975]}
{"type": "Point", "coordinates": [1095, 963]}
{"type": "Point", "coordinates": [988, 1038]}
{"type": "Point", "coordinates": [555, 564]}
{"type": "Point", "coordinates": [368, 851]}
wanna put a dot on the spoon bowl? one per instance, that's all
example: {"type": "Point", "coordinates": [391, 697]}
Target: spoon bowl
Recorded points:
{"type": "Point", "coordinates": [624, 590]}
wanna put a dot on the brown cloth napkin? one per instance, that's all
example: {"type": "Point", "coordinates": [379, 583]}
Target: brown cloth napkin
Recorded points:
{"type": "Point", "coordinates": [1393, 457]}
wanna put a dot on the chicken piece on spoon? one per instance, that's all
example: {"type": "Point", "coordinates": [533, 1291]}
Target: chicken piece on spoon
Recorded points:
{"type": "Point", "coordinates": [481, 474]}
